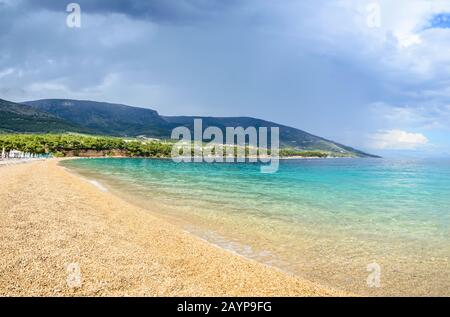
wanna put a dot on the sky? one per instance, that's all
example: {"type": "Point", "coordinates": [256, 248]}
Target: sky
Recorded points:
{"type": "Point", "coordinates": [374, 75]}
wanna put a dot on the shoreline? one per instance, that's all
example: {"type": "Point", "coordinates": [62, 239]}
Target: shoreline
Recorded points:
{"type": "Point", "coordinates": [281, 158]}
{"type": "Point", "coordinates": [56, 218]}
{"type": "Point", "coordinates": [8, 162]}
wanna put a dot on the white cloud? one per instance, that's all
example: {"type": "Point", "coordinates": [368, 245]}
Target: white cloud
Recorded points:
{"type": "Point", "coordinates": [48, 87]}
{"type": "Point", "coordinates": [397, 140]}
{"type": "Point", "coordinates": [402, 46]}
{"type": "Point", "coordinates": [288, 61]}
{"type": "Point", "coordinates": [425, 116]}
{"type": "Point", "coordinates": [6, 72]}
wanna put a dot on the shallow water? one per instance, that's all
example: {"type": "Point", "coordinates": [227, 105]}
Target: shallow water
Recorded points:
{"type": "Point", "coordinates": [325, 220]}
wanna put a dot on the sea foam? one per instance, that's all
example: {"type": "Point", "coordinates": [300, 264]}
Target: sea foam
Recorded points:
{"type": "Point", "coordinates": [98, 185]}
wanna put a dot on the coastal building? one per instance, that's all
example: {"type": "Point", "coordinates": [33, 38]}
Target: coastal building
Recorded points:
{"type": "Point", "coordinates": [15, 154]}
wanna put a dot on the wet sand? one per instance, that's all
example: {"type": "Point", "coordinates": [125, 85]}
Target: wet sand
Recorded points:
{"type": "Point", "coordinates": [53, 222]}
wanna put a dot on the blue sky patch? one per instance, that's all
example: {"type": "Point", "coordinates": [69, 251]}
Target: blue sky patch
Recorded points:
{"type": "Point", "coordinates": [440, 21]}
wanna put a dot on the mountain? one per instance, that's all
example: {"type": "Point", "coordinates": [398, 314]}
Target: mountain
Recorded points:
{"type": "Point", "coordinates": [106, 118]}
{"type": "Point", "coordinates": [289, 137]}
{"type": "Point", "coordinates": [121, 120]}
{"type": "Point", "coordinates": [16, 117]}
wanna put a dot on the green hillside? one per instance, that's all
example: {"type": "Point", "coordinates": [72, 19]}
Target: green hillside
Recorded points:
{"type": "Point", "coordinates": [120, 120]}
{"type": "Point", "coordinates": [289, 137]}
{"type": "Point", "coordinates": [106, 118]}
{"type": "Point", "coordinates": [16, 117]}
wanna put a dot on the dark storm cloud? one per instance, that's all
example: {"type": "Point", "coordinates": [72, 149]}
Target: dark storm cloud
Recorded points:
{"type": "Point", "coordinates": [315, 65]}
{"type": "Point", "coordinates": [171, 11]}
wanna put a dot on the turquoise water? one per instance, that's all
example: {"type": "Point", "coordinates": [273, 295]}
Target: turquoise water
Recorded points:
{"type": "Point", "coordinates": [324, 220]}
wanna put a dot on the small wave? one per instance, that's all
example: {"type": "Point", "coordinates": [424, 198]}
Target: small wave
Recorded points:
{"type": "Point", "coordinates": [98, 185]}
{"type": "Point", "coordinates": [240, 249]}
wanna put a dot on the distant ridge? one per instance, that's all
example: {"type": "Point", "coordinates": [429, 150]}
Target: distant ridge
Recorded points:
{"type": "Point", "coordinates": [289, 137]}
{"type": "Point", "coordinates": [15, 117]}
{"type": "Point", "coordinates": [106, 118]}
{"type": "Point", "coordinates": [58, 115]}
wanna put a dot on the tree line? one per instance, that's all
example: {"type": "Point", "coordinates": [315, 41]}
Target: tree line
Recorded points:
{"type": "Point", "coordinates": [61, 145]}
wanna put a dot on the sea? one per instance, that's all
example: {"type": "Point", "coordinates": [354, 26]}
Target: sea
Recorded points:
{"type": "Point", "coordinates": [372, 227]}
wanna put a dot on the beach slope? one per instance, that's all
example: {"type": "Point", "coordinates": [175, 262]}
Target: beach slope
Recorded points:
{"type": "Point", "coordinates": [52, 221]}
